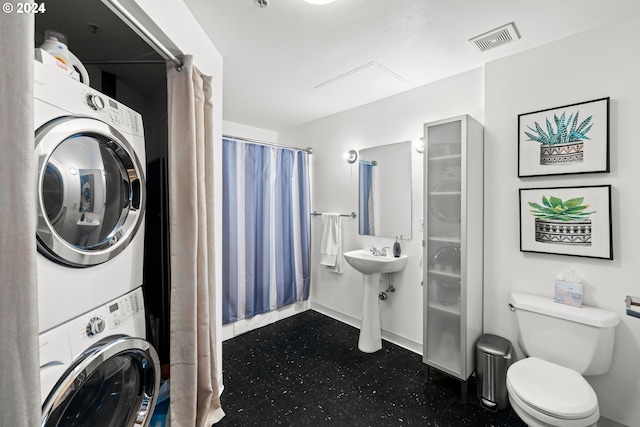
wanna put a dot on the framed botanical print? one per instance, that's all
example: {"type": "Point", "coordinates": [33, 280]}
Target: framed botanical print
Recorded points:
{"type": "Point", "coordinates": [567, 221]}
{"type": "Point", "coordinates": [564, 140]}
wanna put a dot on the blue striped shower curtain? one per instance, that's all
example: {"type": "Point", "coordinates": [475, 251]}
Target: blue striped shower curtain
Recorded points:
{"type": "Point", "coordinates": [365, 199]}
{"type": "Point", "coordinates": [266, 228]}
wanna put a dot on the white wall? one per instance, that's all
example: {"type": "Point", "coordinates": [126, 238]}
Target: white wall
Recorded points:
{"type": "Point", "coordinates": [239, 130]}
{"type": "Point", "coordinates": [334, 188]}
{"type": "Point", "coordinates": [176, 21]}
{"type": "Point", "coordinates": [596, 64]}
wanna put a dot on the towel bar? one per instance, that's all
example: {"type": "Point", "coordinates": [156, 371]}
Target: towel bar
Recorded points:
{"type": "Point", "coordinates": [352, 214]}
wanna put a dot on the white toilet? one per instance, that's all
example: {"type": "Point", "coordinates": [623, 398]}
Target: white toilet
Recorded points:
{"type": "Point", "coordinates": [563, 343]}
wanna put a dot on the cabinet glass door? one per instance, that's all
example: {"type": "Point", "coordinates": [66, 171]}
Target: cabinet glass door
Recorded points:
{"type": "Point", "coordinates": [443, 242]}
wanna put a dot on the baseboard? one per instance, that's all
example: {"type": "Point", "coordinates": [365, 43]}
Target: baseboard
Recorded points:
{"type": "Point", "coordinates": [606, 422]}
{"type": "Point", "coordinates": [231, 330]}
{"type": "Point", "coordinates": [344, 318]}
{"type": "Point", "coordinates": [396, 339]}
{"type": "Point", "coordinates": [403, 342]}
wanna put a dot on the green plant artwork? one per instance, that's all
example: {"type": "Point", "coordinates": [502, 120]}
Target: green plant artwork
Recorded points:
{"type": "Point", "coordinates": [554, 208]}
{"type": "Point", "coordinates": [566, 130]}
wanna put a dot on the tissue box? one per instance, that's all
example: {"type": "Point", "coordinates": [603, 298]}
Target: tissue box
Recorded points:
{"type": "Point", "coordinates": [568, 293]}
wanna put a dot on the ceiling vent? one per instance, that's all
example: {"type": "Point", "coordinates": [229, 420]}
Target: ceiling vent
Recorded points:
{"type": "Point", "coordinates": [497, 37]}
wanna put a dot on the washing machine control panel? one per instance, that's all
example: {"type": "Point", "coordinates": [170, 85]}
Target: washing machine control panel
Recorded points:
{"type": "Point", "coordinates": [95, 101]}
{"type": "Point", "coordinates": [112, 112]}
{"type": "Point", "coordinates": [95, 326]}
{"type": "Point", "coordinates": [62, 93]}
{"type": "Point", "coordinates": [124, 117]}
{"type": "Point", "coordinates": [123, 309]}
{"type": "Point", "coordinates": [122, 316]}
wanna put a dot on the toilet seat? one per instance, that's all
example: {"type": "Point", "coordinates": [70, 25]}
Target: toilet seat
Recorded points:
{"type": "Point", "coordinates": [551, 390]}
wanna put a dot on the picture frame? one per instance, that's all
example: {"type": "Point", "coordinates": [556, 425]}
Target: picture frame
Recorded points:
{"type": "Point", "coordinates": [573, 221]}
{"type": "Point", "coordinates": [569, 139]}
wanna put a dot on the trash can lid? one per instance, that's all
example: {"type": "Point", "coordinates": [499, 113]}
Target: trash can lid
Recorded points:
{"type": "Point", "coordinates": [494, 345]}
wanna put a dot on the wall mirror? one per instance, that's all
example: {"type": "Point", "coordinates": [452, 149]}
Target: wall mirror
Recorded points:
{"type": "Point", "coordinates": [385, 191]}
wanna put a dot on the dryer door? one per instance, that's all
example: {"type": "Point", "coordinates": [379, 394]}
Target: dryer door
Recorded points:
{"type": "Point", "coordinates": [113, 384]}
{"type": "Point", "coordinates": [91, 191]}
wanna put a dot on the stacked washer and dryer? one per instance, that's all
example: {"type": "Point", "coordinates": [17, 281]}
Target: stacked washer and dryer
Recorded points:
{"type": "Point", "coordinates": [96, 368]}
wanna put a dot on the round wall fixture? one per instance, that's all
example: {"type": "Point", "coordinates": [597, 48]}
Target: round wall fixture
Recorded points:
{"type": "Point", "coordinates": [351, 156]}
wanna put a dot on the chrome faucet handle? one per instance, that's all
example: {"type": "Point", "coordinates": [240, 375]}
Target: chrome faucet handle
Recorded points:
{"type": "Point", "coordinates": [375, 251]}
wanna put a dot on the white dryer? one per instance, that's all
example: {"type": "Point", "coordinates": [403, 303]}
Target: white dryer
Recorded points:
{"type": "Point", "coordinates": [91, 197]}
{"type": "Point", "coordinates": [97, 370]}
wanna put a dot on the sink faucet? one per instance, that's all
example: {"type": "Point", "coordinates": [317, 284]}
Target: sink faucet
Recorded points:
{"type": "Point", "coordinates": [379, 252]}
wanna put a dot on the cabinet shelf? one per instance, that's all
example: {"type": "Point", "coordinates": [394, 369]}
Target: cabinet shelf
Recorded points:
{"type": "Point", "coordinates": [453, 309]}
{"type": "Point", "coordinates": [445, 193]}
{"type": "Point", "coordinates": [443, 361]}
{"type": "Point", "coordinates": [445, 239]}
{"type": "Point", "coordinates": [445, 158]}
{"type": "Point", "coordinates": [444, 273]}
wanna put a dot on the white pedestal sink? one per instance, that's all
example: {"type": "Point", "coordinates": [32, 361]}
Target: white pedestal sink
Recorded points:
{"type": "Point", "coordinates": [371, 267]}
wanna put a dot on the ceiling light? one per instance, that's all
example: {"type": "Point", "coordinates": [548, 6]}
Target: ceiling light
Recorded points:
{"type": "Point", "coordinates": [319, 1]}
{"type": "Point", "coordinates": [262, 3]}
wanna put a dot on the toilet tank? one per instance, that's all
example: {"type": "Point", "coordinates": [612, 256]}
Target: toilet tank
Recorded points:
{"type": "Point", "coordinates": [577, 338]}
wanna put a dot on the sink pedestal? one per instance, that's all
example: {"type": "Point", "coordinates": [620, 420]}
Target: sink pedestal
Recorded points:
{"type": "Point", "coordinates": [370, 338]}
{"type": "Point", "coordinates": [371, 266]}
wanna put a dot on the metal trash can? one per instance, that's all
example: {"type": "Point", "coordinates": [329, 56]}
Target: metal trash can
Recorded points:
{"type": "Point", "coordinates": [493, 357]}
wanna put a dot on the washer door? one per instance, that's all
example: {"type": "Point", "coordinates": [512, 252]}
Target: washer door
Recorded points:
{"type": "Point", "coordinates": [113, 384]}
{"type": "Point", "coordinates": [91, 191]}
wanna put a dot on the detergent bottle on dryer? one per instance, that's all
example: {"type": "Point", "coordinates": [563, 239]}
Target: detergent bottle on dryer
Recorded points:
{"type": "Point", "coordinates": [55, 43]}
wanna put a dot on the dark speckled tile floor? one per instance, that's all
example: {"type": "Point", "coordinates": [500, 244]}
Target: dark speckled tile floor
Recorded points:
{"type": "Point", "coordinates": [306, 370]}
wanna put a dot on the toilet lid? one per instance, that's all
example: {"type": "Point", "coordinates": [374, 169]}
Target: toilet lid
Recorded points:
{"type": "Point", "coordinates": [552, 389]}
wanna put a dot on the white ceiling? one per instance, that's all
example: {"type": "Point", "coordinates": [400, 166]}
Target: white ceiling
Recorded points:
{"type": "Point", "coordinates": [294, 62]}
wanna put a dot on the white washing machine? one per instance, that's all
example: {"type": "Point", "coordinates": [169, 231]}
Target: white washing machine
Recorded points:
{"type": "Point", "coordinates": [91, 197]}
{"type": "Point", "coordinates": [97, 370]}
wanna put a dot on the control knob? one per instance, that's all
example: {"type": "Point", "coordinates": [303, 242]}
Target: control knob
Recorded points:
{"type": "Point", "coordinates": [95, 326]}
{"type": "Point", "coordinates": [95, 102]}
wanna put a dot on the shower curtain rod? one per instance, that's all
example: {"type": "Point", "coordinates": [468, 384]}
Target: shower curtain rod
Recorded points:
{"type": "Point", "coordinates": [144, 33]}
{"type": "Point", "coordinates": [309, 150]}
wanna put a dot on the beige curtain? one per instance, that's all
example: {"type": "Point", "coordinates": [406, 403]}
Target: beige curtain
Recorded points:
{"type": "Point", "coordinates": [194, 386]}
{"type": "Point", "coordinates": [19, 370]}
